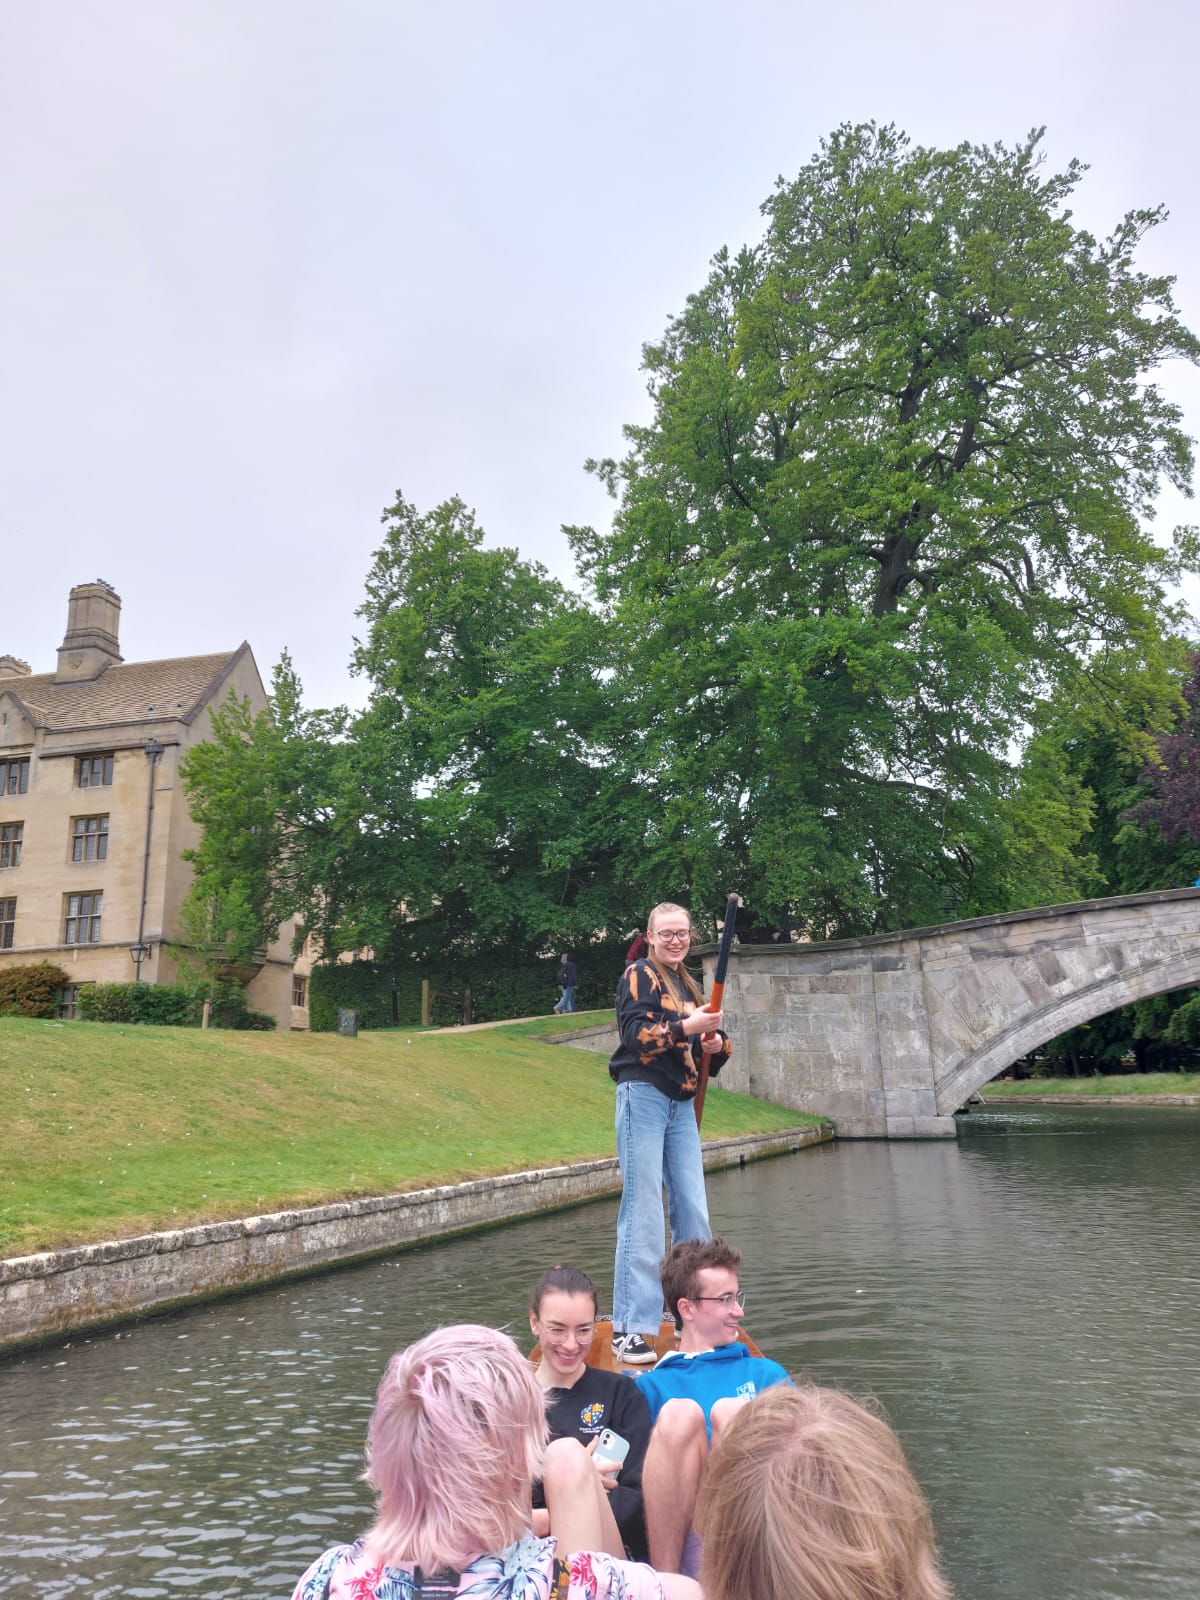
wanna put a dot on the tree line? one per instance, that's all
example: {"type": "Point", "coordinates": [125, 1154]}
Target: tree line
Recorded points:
{"type": "Point", "coordinates": [881, 634]}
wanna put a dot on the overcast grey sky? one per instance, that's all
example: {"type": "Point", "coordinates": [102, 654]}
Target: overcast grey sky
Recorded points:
{"type": "Point", "coordinates": [266, 262]}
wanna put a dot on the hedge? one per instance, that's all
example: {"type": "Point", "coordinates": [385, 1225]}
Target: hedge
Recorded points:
{"type": "Point", "coordinates": [32, 991]}
{"type": "Point", "coordinates": [499, 989]}
{"type": "Point", "coordinates": [168, 1005]}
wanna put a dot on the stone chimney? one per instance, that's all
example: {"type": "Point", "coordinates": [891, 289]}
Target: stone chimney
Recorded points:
{"type": "Point", "coordinates": [13, 667]}
{"type": "Point", "coordinates": [90, 643]}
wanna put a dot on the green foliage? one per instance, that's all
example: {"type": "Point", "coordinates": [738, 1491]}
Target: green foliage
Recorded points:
{"type": "Point", "coordinates": [106, 1002]}
{"type": "Point", "coordinates": [357, 985]}
{"type": "Point", "coordinates": [477, 808]}
{"type": "Point", "coordinates": [169, 1005]}
{"type": "Point", "coordinates": [893, 492]}
{"type": "Point", "coordinates": [31, 991]}
{"type": "Point", "coordinates": [258, 788]}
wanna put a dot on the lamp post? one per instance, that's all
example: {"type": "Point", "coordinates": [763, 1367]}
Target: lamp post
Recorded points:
{"type": "Point", "coordinates": [140, 951]}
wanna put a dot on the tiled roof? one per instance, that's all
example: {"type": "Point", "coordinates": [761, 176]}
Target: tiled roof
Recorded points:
{"type": "Point", "coordinates": [134, 691]}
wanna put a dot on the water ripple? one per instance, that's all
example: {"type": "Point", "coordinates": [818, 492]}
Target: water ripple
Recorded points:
{"type": "Point", "coordinates": [1024, 1303]}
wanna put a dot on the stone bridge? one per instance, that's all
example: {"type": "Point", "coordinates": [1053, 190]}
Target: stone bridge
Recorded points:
{"type": "Point", "coordinates": [889, 1036]}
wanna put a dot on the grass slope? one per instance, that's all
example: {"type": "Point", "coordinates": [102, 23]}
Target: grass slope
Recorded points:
{"type": "Point", "coordinates": [110, 1131]}
{"type": "Point", "coordinates": [1131, 1084]}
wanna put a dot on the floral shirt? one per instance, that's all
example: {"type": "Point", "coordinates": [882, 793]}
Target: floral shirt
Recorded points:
{"type": "Point", "coordinates": [526, 1570]}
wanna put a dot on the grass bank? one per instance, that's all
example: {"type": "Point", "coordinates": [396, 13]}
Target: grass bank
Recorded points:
{"type": "Point", "coordinates": [110, 1131]}
{"type": "Point", "coordinates": [1132, 1084]}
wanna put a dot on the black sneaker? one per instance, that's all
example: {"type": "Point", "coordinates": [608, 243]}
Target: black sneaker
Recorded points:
{"type": "Point", "coordinates": [633, 1350]}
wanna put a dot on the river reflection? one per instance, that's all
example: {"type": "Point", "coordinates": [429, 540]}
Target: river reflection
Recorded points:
{"type": "Point", "coordinates": [1025, 1304]}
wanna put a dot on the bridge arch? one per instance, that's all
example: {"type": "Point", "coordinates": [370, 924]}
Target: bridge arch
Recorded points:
{"type": "Point", "coordinates": [889, 1036]}
{"type": "Point", "coordinates": [957, 1086]}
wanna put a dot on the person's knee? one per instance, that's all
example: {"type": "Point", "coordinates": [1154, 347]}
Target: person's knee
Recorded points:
{"type": "Point", "coordinates": [566, 1466]}
{"type": "Point", "coordinates": [724, 1411]}
{"type": "Point", "coordinates": [678, 1424]}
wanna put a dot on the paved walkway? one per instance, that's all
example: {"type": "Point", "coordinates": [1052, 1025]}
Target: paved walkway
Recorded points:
{"type": "Point", "coordinates": [507, 1022]}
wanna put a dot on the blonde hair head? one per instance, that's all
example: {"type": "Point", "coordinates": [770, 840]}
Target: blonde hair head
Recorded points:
{"type": "Point", "coordinates": [808, 1494]}
{"type": "Point", "coordinates": [668, 908]}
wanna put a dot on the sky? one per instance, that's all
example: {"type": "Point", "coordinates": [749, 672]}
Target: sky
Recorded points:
{"type": "Point", "coordinates": [267, 263]}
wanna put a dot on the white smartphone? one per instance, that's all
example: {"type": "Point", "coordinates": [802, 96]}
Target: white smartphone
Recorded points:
{"type": "Point", "coordinates": [611, 1448]}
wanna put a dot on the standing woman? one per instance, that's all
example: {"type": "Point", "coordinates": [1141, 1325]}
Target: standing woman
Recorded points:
{"type": "Point", "coordinates": [660, 1021]}
{"type": "Point", "coordinates": [581, 1402]}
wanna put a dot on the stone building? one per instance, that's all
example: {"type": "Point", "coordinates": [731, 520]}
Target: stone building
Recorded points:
{"type": "Point", "coordinates": [93, 817]}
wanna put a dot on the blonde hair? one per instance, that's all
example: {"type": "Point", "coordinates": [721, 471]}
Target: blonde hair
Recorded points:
{"type": "Point", "coordinates": [808, 1494]}
{"type": "Point", "coordinates": [455, 1439]}
{"type": "Point", "coordinates": [665, 908]}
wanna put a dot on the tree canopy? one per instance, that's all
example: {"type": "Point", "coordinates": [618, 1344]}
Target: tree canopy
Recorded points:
{"type": "Point", "coordinates": [881, 634]}
{"type": "Point", "coordinates": [896, 487]}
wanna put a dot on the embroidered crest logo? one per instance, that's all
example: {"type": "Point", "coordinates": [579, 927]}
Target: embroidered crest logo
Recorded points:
{"type": "Point", "coordinates": [591, 1415]}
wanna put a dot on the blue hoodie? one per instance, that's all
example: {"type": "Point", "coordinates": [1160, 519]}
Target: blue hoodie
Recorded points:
{"type": "Point", "coordinates": [726, 1373]}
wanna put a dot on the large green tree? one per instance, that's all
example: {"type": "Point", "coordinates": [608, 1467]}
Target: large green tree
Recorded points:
{"type": "Point", "coordinates": [488, 817]}
{"type": "Point", "coordinates": [896, 486]}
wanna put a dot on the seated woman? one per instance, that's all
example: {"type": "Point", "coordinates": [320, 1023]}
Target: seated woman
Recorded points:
{"type": "Point", "coordinates": [582, 1401]}
{"type": "Point", "coordinates": [457, 1434]}
{"type": "Point", "coordinates": [809, 1497]}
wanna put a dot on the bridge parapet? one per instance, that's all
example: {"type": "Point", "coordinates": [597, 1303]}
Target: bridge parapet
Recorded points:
{"type": "Point", "coordinates": [889, 1036]}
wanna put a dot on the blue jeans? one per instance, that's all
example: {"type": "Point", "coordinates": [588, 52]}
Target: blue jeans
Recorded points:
{"type": "Point", "coordinates": [566, 1001]}
{"type": "Point", "coordinates": [657, 1141]}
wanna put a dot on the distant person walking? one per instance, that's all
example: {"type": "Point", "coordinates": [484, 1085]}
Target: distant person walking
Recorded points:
{"type": "Point", "coordinates": [567, 979]}
{"type": "Point", "coordinates": [638, 950]}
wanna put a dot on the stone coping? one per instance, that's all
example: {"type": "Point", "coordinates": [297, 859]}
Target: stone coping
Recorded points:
{"type": "Point", "coordinates": [57, 1292]}
{"type": "Point", "coordinates": [1092, 1100]}
{"type": "Point", "coordinates": [800, 947]}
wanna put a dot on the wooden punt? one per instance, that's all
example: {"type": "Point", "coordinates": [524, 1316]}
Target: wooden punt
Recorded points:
{"type": "Point", "coordinates": [601, 1353]}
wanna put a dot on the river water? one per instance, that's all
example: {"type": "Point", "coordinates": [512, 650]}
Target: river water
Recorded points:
{"type": "Point", "coordinates": [1025, 1303]}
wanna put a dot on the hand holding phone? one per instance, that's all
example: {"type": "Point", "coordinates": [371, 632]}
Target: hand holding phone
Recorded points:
{"type": "Point", "coordinates": [611, 1449]}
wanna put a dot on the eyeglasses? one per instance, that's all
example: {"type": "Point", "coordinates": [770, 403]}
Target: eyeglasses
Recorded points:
{"type": "Point", "coordinates": [582, 1335]}
{"type": "Point", "coordinates": [676, 936]}
{"type": "Point", "coordinates": [722, 1300]}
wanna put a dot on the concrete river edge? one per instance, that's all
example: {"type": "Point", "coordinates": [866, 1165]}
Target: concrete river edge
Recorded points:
{"type": "Point", "coordinates": [60, 1292]}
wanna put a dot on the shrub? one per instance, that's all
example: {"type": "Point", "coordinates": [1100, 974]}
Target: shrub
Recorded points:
{"type": "Point", "coordinates": [31, 991]}
{"type": "Point", "coordinates": [169, 1005]}
{"type": "Point", "coordinates": [105, 1002]}
{"type": "Point", "coordinates": [166, 1005]}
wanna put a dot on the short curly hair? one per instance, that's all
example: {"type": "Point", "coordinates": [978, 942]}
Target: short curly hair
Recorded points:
{"type": "Point", "coordinates": [680, 1268]}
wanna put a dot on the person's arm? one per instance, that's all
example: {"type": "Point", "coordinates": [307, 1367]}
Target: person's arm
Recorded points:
{"type": "Point", "coordinates": [649, 1019]}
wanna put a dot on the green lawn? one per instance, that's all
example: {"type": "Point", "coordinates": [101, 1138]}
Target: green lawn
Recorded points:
{"type": "Point", "coordinates": [1129, 1083]}
{"type": "Point", "coordinates": [112, 1130]}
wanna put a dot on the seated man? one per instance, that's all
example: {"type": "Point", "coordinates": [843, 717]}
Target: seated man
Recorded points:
{"type": "Point", "coordinates": [695, 1391]}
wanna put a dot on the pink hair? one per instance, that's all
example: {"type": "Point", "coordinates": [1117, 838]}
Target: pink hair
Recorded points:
{"type": "Point", "coordinates": [455, 1439]}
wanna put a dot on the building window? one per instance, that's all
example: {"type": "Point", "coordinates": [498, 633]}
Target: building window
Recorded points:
{"type": "Point", "coordinates": [94, 772]}
{"type": "Point", "coordinates": [8, 918]}
{"type": "Point", "coordinates": [82, 921]}
{"type": "Point", "coordinates": [89, 841]}
{"type": "Point", "coordinates": [68, 1002]}
{"type": "Point", "coordinates": [14, 776]}
{"type": "Point", "coordinates": [299, 991]}
{"type": "Point", "coordinates": [11, 834]}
